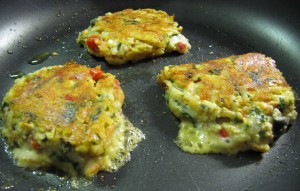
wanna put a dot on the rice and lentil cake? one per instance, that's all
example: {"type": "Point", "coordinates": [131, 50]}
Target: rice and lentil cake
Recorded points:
{"type": "Point", "coordinates": [133, 35]}
{"type": "Point", "coordinates": [68, 117]}
{"type": "Point", "coordinates": [229, 104]}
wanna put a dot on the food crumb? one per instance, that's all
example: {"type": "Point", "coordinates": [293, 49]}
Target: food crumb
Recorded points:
{"type": "Point", "coordinates": [10, 52]}
{"type": "Point", "coordinates": [55, 53]}
{"type": "Point", "coordinates": [74, 184]}
{"type": "Point", "coordinates": [101, 178]}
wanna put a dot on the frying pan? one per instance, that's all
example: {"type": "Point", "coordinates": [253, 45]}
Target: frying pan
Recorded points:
{"type": "Point", "coordinates": [215, 28]}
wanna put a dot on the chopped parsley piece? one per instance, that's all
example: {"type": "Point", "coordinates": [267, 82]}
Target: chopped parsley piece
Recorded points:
{"type": "Point", "coordinates": [215, 71]}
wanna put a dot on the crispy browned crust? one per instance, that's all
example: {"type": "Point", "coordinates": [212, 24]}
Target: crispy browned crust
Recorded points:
{"type": "Point", "coordinates": [146, 25]}
{"type": "Point", "coordinates": [133, 35]}
{"type": "Point", "coordinates": [220, 79]}
{"type": "Point", "coordinates": [67, 101]}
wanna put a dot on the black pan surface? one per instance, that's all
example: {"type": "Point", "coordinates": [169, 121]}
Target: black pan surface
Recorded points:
{"type": "Point", "coordinates": [215, 29]}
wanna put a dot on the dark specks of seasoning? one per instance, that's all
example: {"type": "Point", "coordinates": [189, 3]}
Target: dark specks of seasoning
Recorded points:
{"type": "Point", "coordinates": [198, 80]}
{"type": "Point", "coordinates": [215, 71]}
{"type": "Point", "coordinates": [222, 99]}
{"type": "Point", "coordinates": [29, 117]}
{"type": "Point", "coordinates": [254, 76]}
{"type": "Point", "coordinates": [131, 21]}
{"type": "Point", "coordinates": [96, 115]}
{"type": "Point", "coordinates": [39, 58]}
{"type": "Point", "coordinates": [189, 74]}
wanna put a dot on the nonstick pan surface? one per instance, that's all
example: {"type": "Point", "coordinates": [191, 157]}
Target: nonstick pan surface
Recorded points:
{"type": "Point", "coordinates": [215, 29]}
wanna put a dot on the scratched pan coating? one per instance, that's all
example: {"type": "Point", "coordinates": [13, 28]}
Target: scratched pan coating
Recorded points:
{"type": "Point", "coordinates": [215, 29]}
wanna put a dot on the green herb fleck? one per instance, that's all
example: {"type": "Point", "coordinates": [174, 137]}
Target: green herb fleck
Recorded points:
{"type": "Point", "coordinates": [93, 21]}
{"type": "Point", "coordinates": [70, 111]}
{"type": "Point", "coordinates": [282, 104]}
{"type": "Point", "coordinates": [263, 118]}
{"type": "Point", "coordinates": [186, 114]}
{"type": "Point", "coordinates": [45, 139]}
{"type": "Point", "coordinates": [203, 106]}
{"type": "Point", "coordinates": [256, 111]}
{"type": "Point", "coordinates": [238, 120]}
{"type": "Point", "coordinates": [4, 105]}
{"type": "Point", "coordinates": [215, 71]}
{"type": "Point", "coordinates": [254, 76]}
{"type": "Point", "coordinates": [132, 21]}
{"type": "Point", "coordinates": [262, 134]}
{"type": "Point", "coordinates": [96, 115]}
{"type": "Point", "coordinates": [119, 46]}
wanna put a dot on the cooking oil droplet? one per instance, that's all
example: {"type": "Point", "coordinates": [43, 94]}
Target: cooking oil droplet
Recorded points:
{"type": "Point", "coordinates": [59, 13]}
{"type": "Point", "coordinates": [101, 178]}
{"type": "Point", "coordinates": [16, 74]}
{"type": "Point", "coordinates": [10, 52]}
{"type": "Point", "coordinates": [38, 173]}
{"type": "Point", "coordinates": [38, 59]}
{"type": "Point", "coordinates": [84, 56]}
{"type": "Point", "coordinates": [7, 186]}
{"type": "Point", "coordinates": [38, 38]}
{"type": "Point", "coordinates": [55, 54]}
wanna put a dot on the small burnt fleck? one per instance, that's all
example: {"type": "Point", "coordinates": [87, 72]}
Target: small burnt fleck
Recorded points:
{"type": "Point", "coordinates": [215, 71]}
{"type": "Point", "coordinates": [189, 74]}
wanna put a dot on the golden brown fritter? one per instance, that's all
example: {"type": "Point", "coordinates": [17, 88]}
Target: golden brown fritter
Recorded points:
{"type": "Point", "coordinates": [133, 35]}
{"type": "Point", "coordinates": [229, 104]}
{"type": "Point", "coordinates": [69, 117]}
